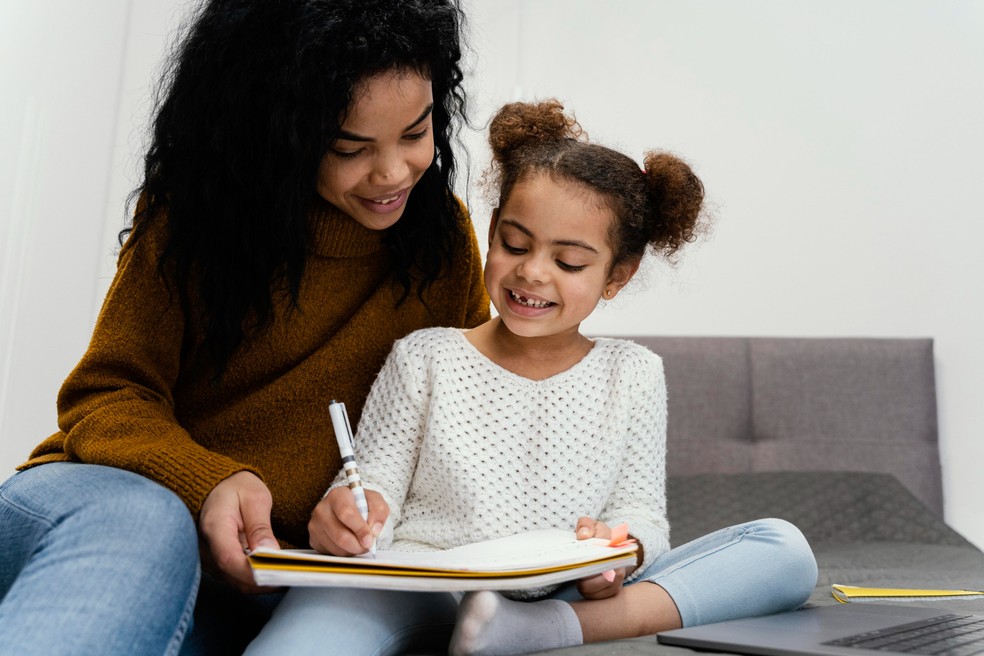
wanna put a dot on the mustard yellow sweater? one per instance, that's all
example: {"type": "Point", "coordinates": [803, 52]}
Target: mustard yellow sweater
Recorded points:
{"type": "Point", "coordinates": [133, 402]}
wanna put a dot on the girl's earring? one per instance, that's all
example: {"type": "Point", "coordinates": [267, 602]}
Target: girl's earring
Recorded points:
{"type": "Point", "coordinates": [608, 293]}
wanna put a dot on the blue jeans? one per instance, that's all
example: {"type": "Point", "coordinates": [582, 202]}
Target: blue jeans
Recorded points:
{"type": "Point", "coordinates": [757, 568]}
{"type": "Point", "coordinates": [94, 560]}
{"type": "Point", "coordinates": [225, 619]}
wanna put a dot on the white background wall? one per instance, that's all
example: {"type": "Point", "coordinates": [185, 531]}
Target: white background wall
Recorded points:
{"type": "Point", "coordinates": [840, 142]}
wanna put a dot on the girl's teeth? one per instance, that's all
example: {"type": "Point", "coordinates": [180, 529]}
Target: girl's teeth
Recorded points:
{"type": "Point", "coordinates": [387, 201]}
{"type": "Point", "coordinates": [529, 303]}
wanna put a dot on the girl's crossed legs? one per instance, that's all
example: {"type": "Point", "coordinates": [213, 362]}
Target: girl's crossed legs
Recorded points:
{"type": "Point", "coordinates": [756, 568]}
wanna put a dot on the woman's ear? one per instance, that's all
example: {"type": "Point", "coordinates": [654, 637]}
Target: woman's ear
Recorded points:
{"type": "Point", "coordinates": [492, 224]}
{"type": "Point", "coordinates": [620, 276]}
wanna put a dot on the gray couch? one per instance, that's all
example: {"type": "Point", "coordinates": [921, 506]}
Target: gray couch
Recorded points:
{"type": "Point", "coordinates": [741, 405]}
{"type": "Point", "coordinates": [838, 436]}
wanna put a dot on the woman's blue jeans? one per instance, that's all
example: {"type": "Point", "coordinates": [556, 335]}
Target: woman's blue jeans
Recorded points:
{"type": "Point", "coordinates": [94, 560]}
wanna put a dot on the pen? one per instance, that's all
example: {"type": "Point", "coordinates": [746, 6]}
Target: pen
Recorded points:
{"type": "Point", "coordinates": [343, 434]}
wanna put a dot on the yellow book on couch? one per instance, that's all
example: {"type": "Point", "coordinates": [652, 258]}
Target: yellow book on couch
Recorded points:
{"type": "Point", "coordinates": [849, 593]}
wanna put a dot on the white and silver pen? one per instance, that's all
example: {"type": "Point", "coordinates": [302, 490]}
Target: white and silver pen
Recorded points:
{"type": "Point", "coordinates": [346, 444]}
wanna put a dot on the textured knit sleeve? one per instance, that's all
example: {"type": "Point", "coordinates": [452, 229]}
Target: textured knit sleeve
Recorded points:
{"type": "Point", "coordinates": [640, 497]}
{"type": "Point", "coordinates": [116, 407]}
{"type": "Point", "coordinates": [388, 439]}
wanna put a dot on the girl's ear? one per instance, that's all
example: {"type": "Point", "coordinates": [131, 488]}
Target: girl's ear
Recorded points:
{"type": "Point", "coordinates": [492, 224]}
{"type": "Point", "coordinates": [620, 276]}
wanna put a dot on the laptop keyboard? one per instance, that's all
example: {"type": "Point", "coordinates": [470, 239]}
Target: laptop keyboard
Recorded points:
{"type": "Point", "coordinates": [946, 635]}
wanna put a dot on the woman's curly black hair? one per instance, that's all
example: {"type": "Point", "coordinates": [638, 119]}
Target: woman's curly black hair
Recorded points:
{"type": "Point", "coordinates": [248, 105]}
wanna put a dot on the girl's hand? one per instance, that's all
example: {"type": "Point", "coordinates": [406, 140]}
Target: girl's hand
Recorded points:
{"type": "Point", "coordinates": [337, 528]}
{"type": "Point", "coordinates": [591, 528]}
{"type": "Point", "coordinates": [599, 586]}
{"type": "Point", "coordinates": [234, 517]}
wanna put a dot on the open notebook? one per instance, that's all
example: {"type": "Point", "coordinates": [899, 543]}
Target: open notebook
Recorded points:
{"type": "Point", "coordinates": [526, 560]}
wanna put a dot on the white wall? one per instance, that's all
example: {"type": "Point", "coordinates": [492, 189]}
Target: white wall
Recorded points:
{"type": "Point", "coordinates": [60, 66]}
{"type": "Point", "coordinates": [840, 143]}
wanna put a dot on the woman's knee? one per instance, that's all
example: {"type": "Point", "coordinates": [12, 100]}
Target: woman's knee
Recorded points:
{"type": "Point", "coordinates": [121, 511]}
{"type": "Point", "coordinates": [91, 524]}
{"type": "Point", "coordinates": [151, 518]}
{"type": "Point", "coordinates": [148, 504]}
{"type": "Point", "coordinates": [126, 492]}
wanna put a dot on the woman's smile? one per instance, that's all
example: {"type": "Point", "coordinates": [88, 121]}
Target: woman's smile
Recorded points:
{"type": "Point", "coordinates": [386, 203]}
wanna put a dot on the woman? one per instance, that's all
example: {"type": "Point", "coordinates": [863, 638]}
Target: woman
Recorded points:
{"type": "Point", "coordinates": [295, 218]}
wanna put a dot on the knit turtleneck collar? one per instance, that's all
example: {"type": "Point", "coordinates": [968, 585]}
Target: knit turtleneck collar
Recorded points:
{"type": "Point", "coordinates": [335, 234]}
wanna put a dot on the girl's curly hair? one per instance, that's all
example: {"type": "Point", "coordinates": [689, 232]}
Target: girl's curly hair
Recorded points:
{"type": "Point", "coordinates": [658, 207]}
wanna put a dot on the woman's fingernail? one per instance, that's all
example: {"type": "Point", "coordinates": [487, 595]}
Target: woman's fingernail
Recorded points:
{"type": "Point", "coordinates": [609, 575]}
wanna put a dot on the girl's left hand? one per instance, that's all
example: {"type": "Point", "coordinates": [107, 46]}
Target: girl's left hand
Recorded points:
{"type": "Point", "coordinates": [600, 586]}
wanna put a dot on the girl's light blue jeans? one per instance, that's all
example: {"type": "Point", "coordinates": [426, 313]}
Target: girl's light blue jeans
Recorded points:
{"type": "Point", "coordinates": [94, 560]}
{"type": "Point", "coordinates": [756, 568]}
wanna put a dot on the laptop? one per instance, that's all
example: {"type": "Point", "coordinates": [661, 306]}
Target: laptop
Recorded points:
{"type": "Point", "coordinates": [841, 630]}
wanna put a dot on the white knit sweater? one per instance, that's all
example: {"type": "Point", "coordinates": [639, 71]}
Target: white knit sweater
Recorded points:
{"type": "Point", "coordinates": [464, 450]}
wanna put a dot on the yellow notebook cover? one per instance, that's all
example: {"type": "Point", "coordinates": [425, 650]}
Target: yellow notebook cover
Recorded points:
{"type": "Point", "coordinates": [849, 593]}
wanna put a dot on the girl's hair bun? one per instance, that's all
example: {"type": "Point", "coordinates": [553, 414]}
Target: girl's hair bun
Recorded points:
{"type": "Point", "coordinates": [520, 124]}
{"type": "Point", "coordinates": [676, 196]}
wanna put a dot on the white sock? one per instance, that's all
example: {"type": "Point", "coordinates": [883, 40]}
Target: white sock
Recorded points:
{"type": "Point", "coordinates": [491, 625]}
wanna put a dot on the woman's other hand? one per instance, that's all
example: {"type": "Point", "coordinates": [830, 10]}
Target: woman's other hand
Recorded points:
{"type": "Point", "coordinates": [337, 527]}
{"type": "Point", "coordinates": [236, 517]}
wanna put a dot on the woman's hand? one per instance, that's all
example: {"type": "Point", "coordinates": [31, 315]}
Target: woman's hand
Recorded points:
{"type": "Point", "coordinates": [599, 586]}
{"type": "Point", "coordinates": [236, 517]}
{"type": "Point", "coordinates": [337, 527]}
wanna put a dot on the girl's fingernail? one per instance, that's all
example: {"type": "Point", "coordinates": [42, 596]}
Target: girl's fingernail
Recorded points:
{"type": "Point", "coordinates": [609, 575]}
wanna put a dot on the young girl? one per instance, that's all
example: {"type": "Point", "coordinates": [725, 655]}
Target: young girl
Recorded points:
{"type": "Point", "coordinates": [525, 423]}
{"type": "Point", "coordinates": [294, 219]}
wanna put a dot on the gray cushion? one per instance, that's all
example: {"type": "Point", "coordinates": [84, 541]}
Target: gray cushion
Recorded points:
{"type": "Point", "coordinates": [797, 404]}
{"type": "Point", "coordinates": [829, 507]}
{"type": "Point", "coordinates": [708, 404]}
